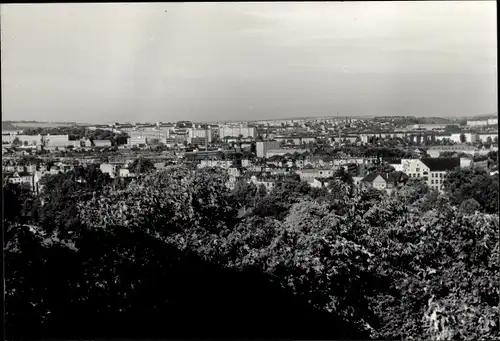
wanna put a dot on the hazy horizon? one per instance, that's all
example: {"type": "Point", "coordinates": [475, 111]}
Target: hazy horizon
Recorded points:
{"type": "Point", "coordinates": [247, 61]}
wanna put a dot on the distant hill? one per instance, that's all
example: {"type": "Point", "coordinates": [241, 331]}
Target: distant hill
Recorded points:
{"type": "Point", "coordinates": [483, 117]}
{"type": "Point", "coordinates": [6, 125]}
{"type": "Point", "coordinates": [15, 125]}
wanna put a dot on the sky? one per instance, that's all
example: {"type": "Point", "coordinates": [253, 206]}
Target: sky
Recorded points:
{"type": "Point", "coordinates": [99, 63]}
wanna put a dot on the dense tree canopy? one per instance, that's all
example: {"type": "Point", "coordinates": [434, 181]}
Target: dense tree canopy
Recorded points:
{"type": "Point", "coordinates": [169, 255]}
{"type": "Point", "coordinates": [472, 183]}
{"type": "Point", "coordinates": [141, 166]}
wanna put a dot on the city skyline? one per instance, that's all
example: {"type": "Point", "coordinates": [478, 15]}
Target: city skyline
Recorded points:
{"type": "Point", "coordinates": [247, 61]}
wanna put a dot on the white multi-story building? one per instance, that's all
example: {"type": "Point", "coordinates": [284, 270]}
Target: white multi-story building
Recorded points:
{"type": "Point", "coordinates": [477, 123]}
{"type": "Point", "coordinates": [268, 183]}
{"type": "Point", "coordinates": [55, 140]}
{"type": "Point", "coordinates": [215, 163]}
{"type": "Point", "coordinates": [152, 136]}
{"type": "Point", "coordinates": [483, 137]}
{"type": "Point", "coordinates": [199, 132]}
{"type": "Point", "coordinates": [469, 137]}
{"type": "Point", "coordinates": [31, 140]}
{"type": "Point", "coordinates": [235, 131]}
{"type": "Point", "coordinates": [109, 169]}
{"type": "Point", "coordinates": [263, 146]}
{"type": "Point", "coordinates": [492, 121]}
{"type": "Point", "coordinates": [432, 170]}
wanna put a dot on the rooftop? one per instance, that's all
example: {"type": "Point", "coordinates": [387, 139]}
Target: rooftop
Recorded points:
{"type": "Point", "coordinates": [441, 164]}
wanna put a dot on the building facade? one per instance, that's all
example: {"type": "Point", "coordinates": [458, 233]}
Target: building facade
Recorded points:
{"type": "Point", "coordinates": [199, 132]}
{"type": "Point", "coordinates": [262, 147]}
{"type": "Point", "coordinates": [235, 131]}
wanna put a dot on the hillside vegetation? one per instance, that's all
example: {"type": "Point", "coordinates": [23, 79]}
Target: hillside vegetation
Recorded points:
{"type": "Point", "coordinates": [173, 255]}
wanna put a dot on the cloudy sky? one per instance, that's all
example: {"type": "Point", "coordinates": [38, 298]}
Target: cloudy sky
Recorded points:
{"type": "Point", "coordinates": [209, 61]}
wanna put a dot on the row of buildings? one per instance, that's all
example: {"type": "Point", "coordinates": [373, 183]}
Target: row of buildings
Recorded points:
{"type": "Point", "coordinates": [50, 142]}
{"type": "Point", "coordinates": [483, 123]}
{"type": "Point", "coordinates": [432, 171]}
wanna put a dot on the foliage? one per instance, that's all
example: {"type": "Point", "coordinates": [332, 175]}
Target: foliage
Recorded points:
{"type": "Point", "coordinates": [56, 207]}
{"type": "Point", "coordinates": [463, 138]}
{"type": "Point", "coordinates": [141, 166]}
{"type": "Point", "coordinates": [472, 183]}
{"type": "Point", "coordinates": [469, 206]}
{"type": "Point", "coordinates": [169, 247]}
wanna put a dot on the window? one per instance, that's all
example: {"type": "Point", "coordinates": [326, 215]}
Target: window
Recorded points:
{"type": "Point", "coordinates": [440, 175]}
{"type": "Point", "coordinates": [418, 175]}
{"type": "Point", "coordinates": [432, 181]}
{"type": "Point", "coordinates": [418, 169]}
{"type": "Point", "coordinates": [432, 175]}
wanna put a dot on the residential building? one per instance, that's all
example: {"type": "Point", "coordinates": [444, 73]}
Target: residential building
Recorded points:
{"type": "Point", "coordinates": [20, 178]}
{"type": "Point", "coordinates": [198, 141]}
{"type": "Point", "coordinates": [148, 136]}
{"type": "Point", "coordinates": [125, 173]}
{"type": "Point", "coordinates": [136, 139]}
{"type": "Point", "coordinates": [199, 132]}
{"type": "Point", "coordinates": [311, 174]}
{"type": "Point", "coordinates": [477, 123]}
{"type": "Point", "coordinates": [493, 121]}
{"type": "Point", "coordinates": [246, 163]}
{"type": "Point", "coordinates": [102, 143]}
{"type": "Point", "coordinates": [55, 140]}
{"type": "Point", "coordinates": [484, 137]}
{"type": "Point", "coordinates": [384, 181]}
{"type": "Point", "coordinates": [215, 163]}
{"type": "Point", "coordinates": [110, 169]}
{"type": "Point", "coordinates": [434, 170]}
{"type": "Point", "coordinates": [263, 146]}
{"type": "Point", "coordinates": [268, 183]}
{"type": "Point", "coordinates": [235, 131]}
{"type": "Point", "coordinates": [32, 140]}
{"type": "Point", "coordinates": [469, 137]}
{"type": "Point", "coordinates": [375, 180]}
{"type": "Point", "coordinates": [7, 138]}
{"type": "Point", "coordinates": [318, 183]}
{"type": "Point", "coordinates": [443, 137]}
{"type": "Point", "coordinates": [233, 172]}
{"type": "Point", "coordinates": [347, 138]}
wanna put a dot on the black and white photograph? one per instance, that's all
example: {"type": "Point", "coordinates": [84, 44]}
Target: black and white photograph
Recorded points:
{"type": "Point", "coordinates": [250, 170]}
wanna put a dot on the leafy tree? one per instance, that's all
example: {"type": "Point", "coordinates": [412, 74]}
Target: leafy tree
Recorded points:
{"type": "Point", "coordinates": [463, 139]}
{"type": "Point", "coordinates": [56, 208]}
{"type": "Point", "coordinates": [468, 183]}
{"type": "Point", "coordinates": [244, 194]}
{"type": "Point", "coordinates": [16, 142]}
{"type": "Point", "coordinates": [18, 201]}
{"type": "Point", "coordinates": [469, 206]}
{"type": "Point", "coordinates": [343, 175]}
{"type": "Point", "coordinates": [141, 166]}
